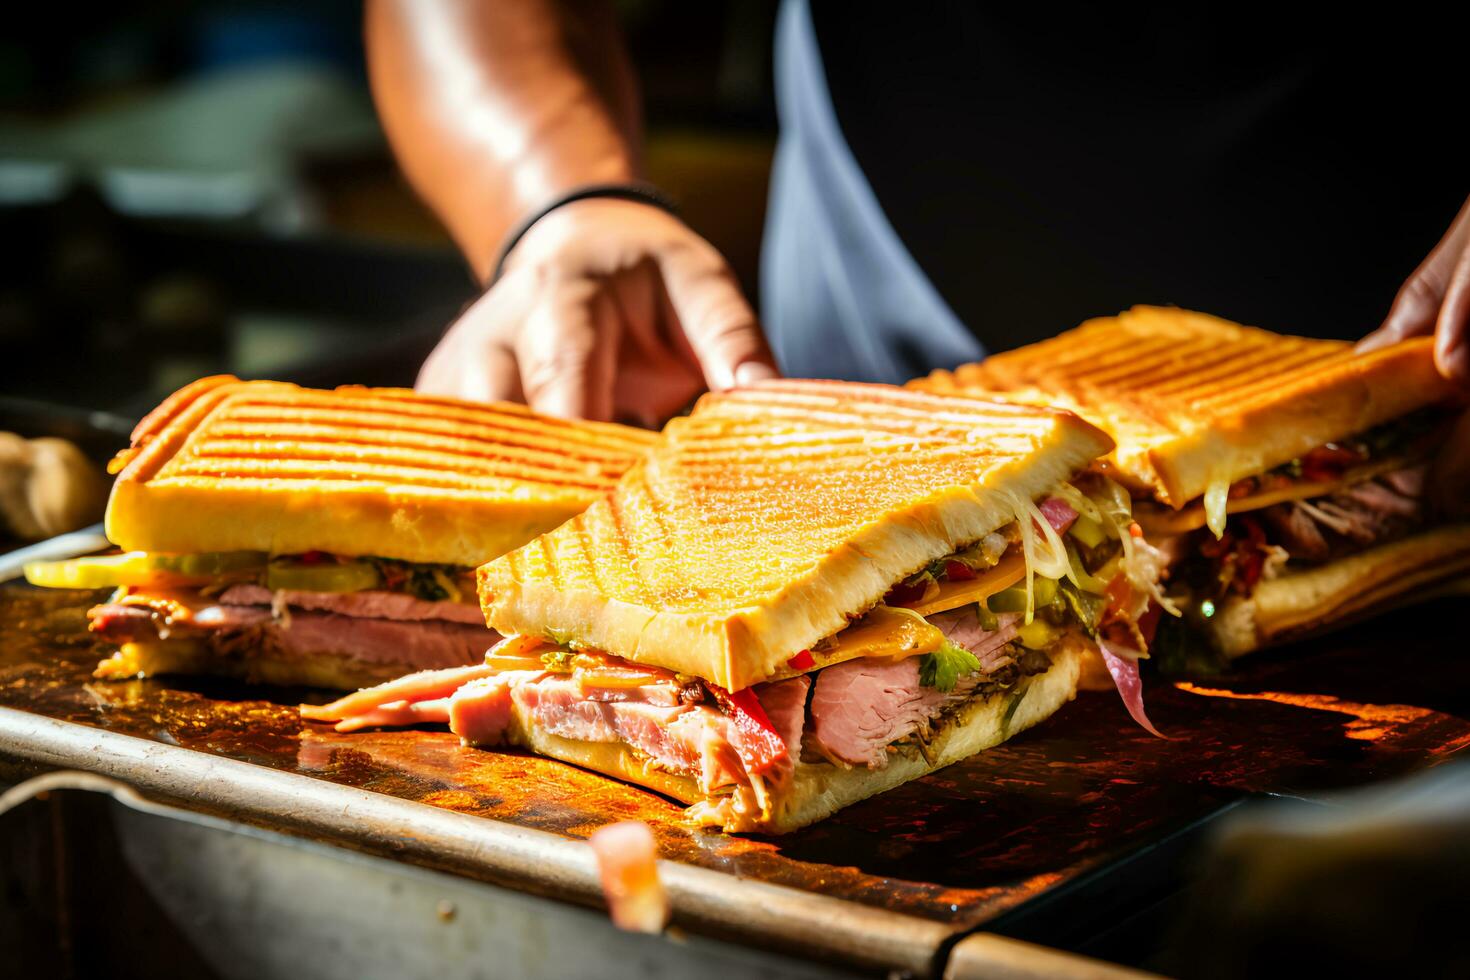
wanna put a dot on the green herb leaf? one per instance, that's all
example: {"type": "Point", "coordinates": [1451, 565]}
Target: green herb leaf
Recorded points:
{"type": "Point", "coordinates": [559, 661]}
{"type": "Point", "coordinates": [943, 668]}
{"type": "Point", "coordinates": [1085, 606]}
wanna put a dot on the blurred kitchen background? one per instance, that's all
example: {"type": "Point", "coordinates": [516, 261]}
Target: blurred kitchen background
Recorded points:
{"type": "Point", "coordinates": [190, 188]}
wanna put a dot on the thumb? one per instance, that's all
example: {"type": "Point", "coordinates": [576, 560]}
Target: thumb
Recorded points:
{"type": "Point", "coordinates": [716, 320]}
{"type": "Point", "coordinates": [1416, 307]}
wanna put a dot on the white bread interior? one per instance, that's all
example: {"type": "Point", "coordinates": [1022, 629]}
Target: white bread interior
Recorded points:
{"type": "Point", "coordinates": [1325, 597]}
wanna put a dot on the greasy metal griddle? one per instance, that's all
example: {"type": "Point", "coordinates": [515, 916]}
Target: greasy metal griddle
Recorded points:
{"type": "Point", "coordinates": [997, 842]}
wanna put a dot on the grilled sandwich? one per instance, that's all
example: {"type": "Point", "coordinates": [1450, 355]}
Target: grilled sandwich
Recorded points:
{"type": "Point", "coordinates": [327, 538]}
{"type": "Point", "coordinates": [1285, 474]}
{"type": "Point", "coordinates": [809, 593]}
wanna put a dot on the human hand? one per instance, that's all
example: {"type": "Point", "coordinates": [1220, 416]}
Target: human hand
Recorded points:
{"type": "Point", "coordinates": [1436, 300]}
{"type": "Point", "coordinates": [607, 309]}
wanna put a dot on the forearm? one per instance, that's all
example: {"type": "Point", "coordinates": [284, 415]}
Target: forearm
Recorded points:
{"type": "Point", "coordinates": [495, 107]}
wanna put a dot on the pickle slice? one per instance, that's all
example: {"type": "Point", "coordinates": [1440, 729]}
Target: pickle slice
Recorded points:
{"type": "Point", "coordinates": [328, 576]}
{"type": "Point", "coordinates": [1037, 634]}
{"type": "Point", "coordinates": [140, 568]}
{"type": "Point", "coordinates": [1013, 599]}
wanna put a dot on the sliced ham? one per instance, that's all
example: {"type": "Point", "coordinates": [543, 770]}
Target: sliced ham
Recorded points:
{"type": "Point", "coordinates": [785, 704]}
{"type": "Point", "coordinates": [370, 604]}
{"type": "Point", "coordinates": [480, 703]}
{"type": "Point", "coordinates": [1408, 482]}
{"type": "Point", "coordinates": [962, 628]}
{"type": "Point", "coordinates": [480, 712]}
{"type": "Point", "coordinates": [120, 623]}
{"type": "Point", "coordinates": [1297, 532]}
{"type": "Point", "coordinates": [425, 685]}
{"type": "Point", "coordinates": [221, 617]}
{"type": "Point", "coordinates": [398, 714]}
{"type": "Point", "coordinates": [1355, 517]}
{"type": "Point", "coordinates": [421, 645]}
{"type": "Point", "coordinates": [862, 706]}
{"type": "Point", "coordinates": [410, 632]}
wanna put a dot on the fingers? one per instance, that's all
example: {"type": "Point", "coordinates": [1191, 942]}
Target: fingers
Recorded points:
{"type": "Point", "coordinates": [1449, 478]}
{"type": "Point", "coordinates": [715, 318]}
{"type": "Point", "coordinates": [567, 351]}
{"type": "Point", "coordinates": [1417, 309]}
{"type": "Point", "coordinates": [1451, 343]}
{"type": "Point", "coordinates": [471, 362]}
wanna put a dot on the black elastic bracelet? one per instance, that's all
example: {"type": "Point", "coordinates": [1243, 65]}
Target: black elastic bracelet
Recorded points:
{"type": "Point", "coordinates": [642, 193]}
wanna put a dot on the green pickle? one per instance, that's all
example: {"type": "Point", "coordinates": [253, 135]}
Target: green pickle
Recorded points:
{"type": "Point", "coordinates": [140, 568]}
{"type": "Point", "coordinates": [1013, 600]}
{"type": "Point", "coordinates": [1088, 531]}
{"type": "Point", "coordinates": [328, 576]}
{"type": "Point", "coordinates": [1037, 634]}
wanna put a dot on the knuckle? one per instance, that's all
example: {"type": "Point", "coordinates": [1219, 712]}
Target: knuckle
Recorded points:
{"type": "Point", "coordinates": [554, 366]}
{"type": "Point", "coordinates": [1425, 288]}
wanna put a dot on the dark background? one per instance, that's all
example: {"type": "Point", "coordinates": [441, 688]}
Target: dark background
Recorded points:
{"type": "Point", "coordinates": [190, 188]}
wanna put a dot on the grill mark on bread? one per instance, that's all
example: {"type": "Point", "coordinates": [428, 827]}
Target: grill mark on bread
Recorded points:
{"type": "Point", "coordinates": [353, 456]}
{"type": "Point", "coordinates": [1268, 370]}
{"type": "Point", "coordinates": [429, 480]}
{"type": "Point", "coordinates": [223, 468]}
{"type": "Point", "coordinates": [351, 423]}
{"type": "Point", "coordinates": [300, 402]}
{"type": "Point", "coordinates": [1193, 399]}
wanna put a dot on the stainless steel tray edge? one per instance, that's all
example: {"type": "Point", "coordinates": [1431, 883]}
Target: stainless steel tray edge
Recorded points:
{"type": "Point", "coordinates": [704, 901]}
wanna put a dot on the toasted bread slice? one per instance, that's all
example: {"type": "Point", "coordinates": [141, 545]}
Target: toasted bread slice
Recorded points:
{"type": "Point", "coordinates": [1196, 402]}
{"type": "Point", "coordinates": [773, 514]}
{"type": "Point", "coordinates": [229, 465]}
{"type": "Point", "coordinates": [1313, 600]}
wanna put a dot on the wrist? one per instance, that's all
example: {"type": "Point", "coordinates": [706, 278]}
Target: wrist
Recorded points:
{"type": "Point", "coordinates": [634, 191]}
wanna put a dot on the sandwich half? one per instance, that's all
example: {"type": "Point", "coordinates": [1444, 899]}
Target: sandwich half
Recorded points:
{"type": "Point", "coordinates": [809, 593]}
{"type": "Point", "coordinates": [326, 538]}
{"type": "Point", "coordinates": [1285, 475]}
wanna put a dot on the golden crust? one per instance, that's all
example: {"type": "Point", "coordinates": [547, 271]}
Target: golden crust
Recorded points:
{"type": "Point", "coordinates": [1319, 599]}
{"type": "Point", "coordinates": [226, 465]}
{"type": "Point", "coordinates": [772, 514]}
{"type": "Point", "coordinates": [1193, 400]}
{"type": "Point", "coordinates": [818, 790]}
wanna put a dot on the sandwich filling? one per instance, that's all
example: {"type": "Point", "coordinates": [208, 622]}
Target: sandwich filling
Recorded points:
{"type": "Point", "coordinates": [381, 615]}
{"type": "Point", "coordinates": [974, 626]}
{"type": "Point", "coordinates": [1339, 499]}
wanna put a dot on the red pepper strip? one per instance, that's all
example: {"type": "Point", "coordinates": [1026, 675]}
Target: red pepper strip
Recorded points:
{"type": "Point", "coordinates": [802, 661]}
{"type": "Point", "coordinates": [312, 557]}
{"type": "Point", "coordinates": [759, 746]}
{"type": "Point", "coordinates": [1252, 554]}
{"type": "Point", "coordinates": [1328, 462]}
{"type": "Point", "coordinates": [958, 571]}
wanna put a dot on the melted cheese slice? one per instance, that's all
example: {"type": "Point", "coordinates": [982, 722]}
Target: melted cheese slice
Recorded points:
{"type": "Point", "coordinates": [952, 595]}
{"type": "Point", "coordinates": [898, 633]}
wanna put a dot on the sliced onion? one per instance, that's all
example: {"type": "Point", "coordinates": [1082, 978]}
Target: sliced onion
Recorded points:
{"type": "Point", "coordinates": [1122, 663]}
